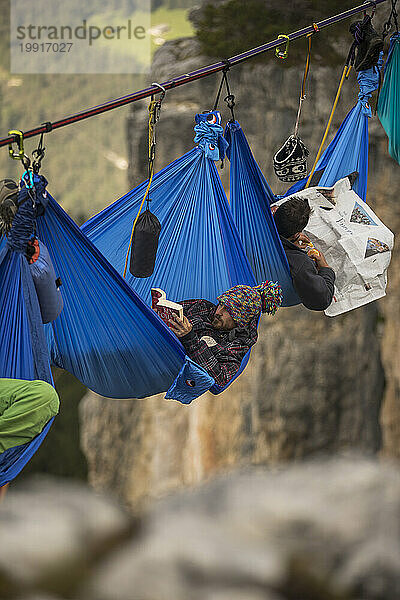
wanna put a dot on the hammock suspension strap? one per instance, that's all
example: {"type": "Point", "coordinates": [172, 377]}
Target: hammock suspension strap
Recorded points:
{"type": "Point", "coordinates": [229, 98]}
{"type": "Point", "coordinates": [230, 101]}
{"type": "Point", "coordinates": [345, 74]}
{"type": "Point", "coordinates": [373, 9]}
{"type": "Point", "coordinates": [304, 83]}
{"type": "Point", "coordinates": [39, 153]}
{"type": "Point", "coordinates": [192, 76]}
{"type": "Point", "coordinates": [388, 24]}
{"type": "Point", "coordinates": [154, 116]}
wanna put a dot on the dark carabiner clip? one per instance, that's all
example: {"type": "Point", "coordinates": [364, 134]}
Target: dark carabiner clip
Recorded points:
{"type": "Point", "coordinates": [161, 89]}
{"type": "Point", "coordinates": [158, 102]}
{"type": "Point", "coordinates": [38, 154]}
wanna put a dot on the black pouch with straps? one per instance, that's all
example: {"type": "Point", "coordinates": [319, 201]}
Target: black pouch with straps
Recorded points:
{"type": "Point", "coordinates": [144, 245]}
{"type": "Point", "coordinates": [290, 162]}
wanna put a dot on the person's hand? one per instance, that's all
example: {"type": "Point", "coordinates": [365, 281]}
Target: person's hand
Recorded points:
{"type": "Point", "coordinates": [318, 257]}
{"type": "Point", "coordinates": [180, 327]}
{"type": "Point", "coordinates": [302, 241]}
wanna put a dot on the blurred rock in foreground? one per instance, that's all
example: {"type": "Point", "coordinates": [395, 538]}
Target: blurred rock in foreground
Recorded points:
{"type": "Point", "coordinates": [51, 531]}
{"type": "Point", "coordinates": [326, 530]}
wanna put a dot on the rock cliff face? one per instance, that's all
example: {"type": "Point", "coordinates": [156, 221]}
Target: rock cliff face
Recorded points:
{"type": "Point", "coordinates": [313, 384]}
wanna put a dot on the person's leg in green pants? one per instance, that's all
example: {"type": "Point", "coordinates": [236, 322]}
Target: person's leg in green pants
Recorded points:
{"type": "Point", "coordinates": [25, 408]}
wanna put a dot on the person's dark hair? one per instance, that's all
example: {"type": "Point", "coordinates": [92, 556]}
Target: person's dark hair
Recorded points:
{"type": "Point", "coordinates": [292, 216]}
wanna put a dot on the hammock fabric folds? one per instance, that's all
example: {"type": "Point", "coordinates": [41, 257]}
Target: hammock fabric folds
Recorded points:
{"type": "Point", "coordinates": [250, 199]}
{"type": "Point", "coordinates": [389, 99]}
{"type": "Point", "coordinates": [106, 336]}
{"type": "Point", "coordinates": [22, 340]}
{"type": "Point", "coordinates": [200, 254]}
{"type": "Point", "coordinates": [348, 151]}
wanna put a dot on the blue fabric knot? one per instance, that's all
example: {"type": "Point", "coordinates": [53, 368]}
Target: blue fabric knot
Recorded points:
{"type": "Point", "coordinates": [24, 221]}
{"type": "Point", "coordinates": [23, 224]}
{"type": "Point", "coordinates": [368, 81]}
{"type": "Point", "coordinates": [210, 136]}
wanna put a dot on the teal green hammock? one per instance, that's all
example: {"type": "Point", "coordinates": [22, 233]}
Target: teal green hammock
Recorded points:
{"type": "Point", "coordinates": [389, 98]}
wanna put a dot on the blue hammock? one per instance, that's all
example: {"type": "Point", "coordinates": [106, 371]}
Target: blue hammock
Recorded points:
{"type": "Point", "coordinates": [106, 335]}
{"type": "Point", "coordinates": [250, 199]}
{"type": "Point", "coordinates": [348, 151]}
{"type": "Point", "coordinates": [200, 254]}
{"type": "Point", "coordinates": [22, 341]}
{"type": "Point", "coordinates": [389, 99]}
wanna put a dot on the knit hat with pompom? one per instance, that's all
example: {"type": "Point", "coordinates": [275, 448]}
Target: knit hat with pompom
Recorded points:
{"type": "Point", "coordinates": [244, 302]}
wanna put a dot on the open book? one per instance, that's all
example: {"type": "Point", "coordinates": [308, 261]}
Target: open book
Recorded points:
{"type": "Point", "coordinates": [163, 307]}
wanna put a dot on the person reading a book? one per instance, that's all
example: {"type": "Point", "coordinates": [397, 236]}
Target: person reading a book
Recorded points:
{"type": "Point", "coordinates": [313, 279]}
{"type": "Point", "coordinates": [217, 337]}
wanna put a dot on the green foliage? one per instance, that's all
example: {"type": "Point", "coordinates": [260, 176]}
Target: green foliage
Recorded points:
{"type": "Point", "coordinates": [231, 27]}
{"type": "Point", "coordinates": [171, 4]}
{"type": "Point", "coordinates": [177, 21]}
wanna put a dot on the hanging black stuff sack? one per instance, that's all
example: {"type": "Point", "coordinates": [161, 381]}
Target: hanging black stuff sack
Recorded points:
{"type": "Point", "coordinates": [290, 162]}
{"type": "Point", "coordinates": [144, 245]}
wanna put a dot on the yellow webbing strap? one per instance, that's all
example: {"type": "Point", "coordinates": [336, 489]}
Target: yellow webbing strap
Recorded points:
{"type": "Point", "coordinates": [303, 85]}
{"type": "Point", "coordinates": [152, 109]}
{"type": "Point", "coordinates": [307, 67]}
{"type": "Point", "coordinates": [345, 74]}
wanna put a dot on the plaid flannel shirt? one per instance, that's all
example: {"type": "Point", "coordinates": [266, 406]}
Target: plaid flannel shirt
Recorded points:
{"type": "Point", "coordinates": [220, 353]}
